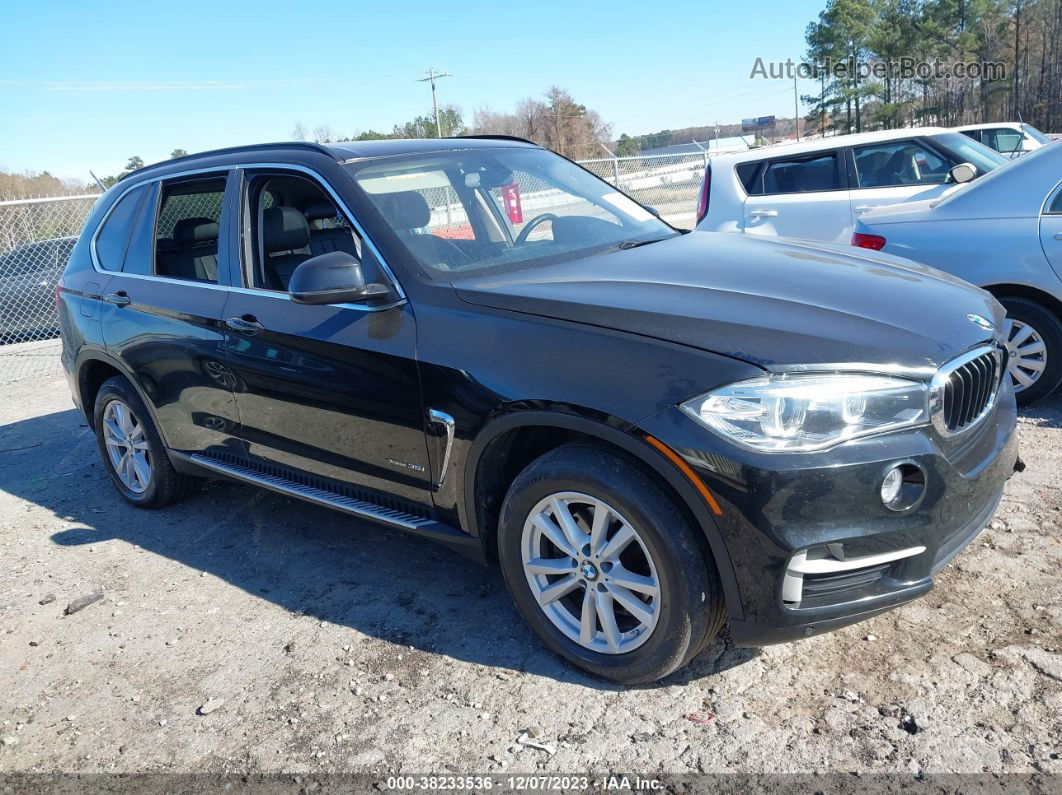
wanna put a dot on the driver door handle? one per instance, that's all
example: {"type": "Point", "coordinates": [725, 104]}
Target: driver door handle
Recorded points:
{"type": "Point", "coordinates": [763, 213]}
{"type": "Point", "coordinates": [246, 324]}
{"type": "Point", "coordinates": [1058, 235]}
{"type": "Point", "coordinates": [864, 208]}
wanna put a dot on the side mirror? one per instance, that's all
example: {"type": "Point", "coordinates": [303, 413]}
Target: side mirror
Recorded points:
{"type": "Point", "coordinates": [962, 172]}
{"type": "Point", "coordinates": [332, 278]}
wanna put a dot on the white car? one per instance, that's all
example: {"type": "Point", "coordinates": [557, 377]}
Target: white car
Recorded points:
{"type": "Point", "coordinates": [1008, 138]}
{"type": "Point", "coordinates": [1002, 233]}
{"type": "Point", "coordinates": [816, 189]}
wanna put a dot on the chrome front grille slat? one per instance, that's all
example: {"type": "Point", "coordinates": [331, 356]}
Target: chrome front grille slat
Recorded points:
{"type": "Point", "coordinates": [964, 390]}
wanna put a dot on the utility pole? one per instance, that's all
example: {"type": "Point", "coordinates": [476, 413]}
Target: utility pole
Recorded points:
{"type": "Point", "coordinates": [796, 108]}
{"type": "Point", "coordinates": [432, 76]}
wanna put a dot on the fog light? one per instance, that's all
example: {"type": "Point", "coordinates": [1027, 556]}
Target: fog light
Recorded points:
{"type": "Point", "coordinates": [903, 487]}
{"type": "Point", "coordinates": [890, 487]}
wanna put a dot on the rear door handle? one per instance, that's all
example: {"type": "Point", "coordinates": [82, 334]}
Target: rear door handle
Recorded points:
{"type": "Point", "coordinates": [246, 324]}
{"type": "Point", "coordinates": [118, 299]}
{"type": "Point", "coordinates": [763, 213]}
{"type": "Point", "coordinates": [1058, 235]}
{"type": "Point", "coordinates": [863, 209]}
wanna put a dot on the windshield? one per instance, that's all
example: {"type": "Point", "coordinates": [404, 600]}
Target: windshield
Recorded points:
{"type": "Point", "coordinates": [493, 210]}
{"type": "Point", "coordinates": [1035, 134]}
{"type": "Point", "coordinates": [967, 150]}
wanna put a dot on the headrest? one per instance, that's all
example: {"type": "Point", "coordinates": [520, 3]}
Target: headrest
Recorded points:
{"type": "Point", "coordinates": [319, 208]}
{"type": "Point", "coordinates": [405, 210]}
{"type": "Point", "coordinates": [195, 230]}
{"type": "Point", "coordinates": [284, 229]}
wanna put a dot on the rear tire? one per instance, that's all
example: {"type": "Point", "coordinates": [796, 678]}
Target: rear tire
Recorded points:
{"type": "Point", "coordinates": [132, 450]}
{"type": "Point", "coordinates": [665, 627]}
{"type": "Point", "coordinates": [1030, 327]}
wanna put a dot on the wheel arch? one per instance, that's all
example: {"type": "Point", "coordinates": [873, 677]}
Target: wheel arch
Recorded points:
{"type": "Point", "coordinates": [1008, 290]}
{"type": "Point", "coordinates": [96, 367]}
{"type": "Point", "coordinates": [485, 467]}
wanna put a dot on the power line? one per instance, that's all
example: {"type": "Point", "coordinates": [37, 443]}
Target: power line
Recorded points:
{"type": "Point", "coordinates": [431, 77]}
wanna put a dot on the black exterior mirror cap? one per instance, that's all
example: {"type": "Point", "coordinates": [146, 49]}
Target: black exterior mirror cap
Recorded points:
{"type": "Point", "coordinates": [333, 278]}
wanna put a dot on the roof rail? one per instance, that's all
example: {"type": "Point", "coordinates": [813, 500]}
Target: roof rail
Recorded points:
{"type": "Point", "coordinates": [495, 138]}
{"type": "Point", "coordinates": [315, 147]}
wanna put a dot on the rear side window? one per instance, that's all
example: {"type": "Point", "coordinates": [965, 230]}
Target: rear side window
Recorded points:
{"type": "Point", "coordinates": [113, 237]}
{"type": "Point", "coordinates": [811, 173]}
{"type": "Point", "coordinates": [1056, 205]}
{"type": "Point", "coordinates": [747, 174]}
{"type": "Point", "coordinates": [186, 234]}
{"type": "Point", "coordinates": [975, 134]}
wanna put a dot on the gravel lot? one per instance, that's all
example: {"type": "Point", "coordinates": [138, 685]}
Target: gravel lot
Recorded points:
{"type": "Point", "coordinates": [327, 645]}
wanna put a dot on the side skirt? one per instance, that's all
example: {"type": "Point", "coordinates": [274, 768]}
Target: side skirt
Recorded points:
{"type": "Point", "coordinates": [246, 472]}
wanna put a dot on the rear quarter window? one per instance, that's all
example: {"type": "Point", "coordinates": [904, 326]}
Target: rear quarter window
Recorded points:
{"type": "Point", "coordinates": [113, 237]}
{"type": "Point", "coordinates": [747, 173]}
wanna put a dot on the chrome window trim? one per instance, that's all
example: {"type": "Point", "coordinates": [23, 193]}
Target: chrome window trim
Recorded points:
{"type": "Point", "coordinates": [936, 390]}
{"type": "Point", "coordinates": [227, 171]}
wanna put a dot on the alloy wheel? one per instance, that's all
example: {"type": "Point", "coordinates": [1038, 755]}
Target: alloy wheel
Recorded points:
{"type": "Point", "coordinates": [1027, 354]}
{"type": "Point", "coordinates": [127, 446]}
{"type": "Point", "coordinates": [591, 572]}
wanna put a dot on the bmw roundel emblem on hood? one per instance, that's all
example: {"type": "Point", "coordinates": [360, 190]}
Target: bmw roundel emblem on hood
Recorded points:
{"type": "Point", "coordinates": [981, 322]}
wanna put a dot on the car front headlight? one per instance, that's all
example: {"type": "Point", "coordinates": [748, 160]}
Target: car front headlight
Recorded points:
{"type": "Point", "coordinates": [802, 412]}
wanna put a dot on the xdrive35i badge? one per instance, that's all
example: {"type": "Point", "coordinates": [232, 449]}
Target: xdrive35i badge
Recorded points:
{"type": "Point", "coordinates": [981, 322]}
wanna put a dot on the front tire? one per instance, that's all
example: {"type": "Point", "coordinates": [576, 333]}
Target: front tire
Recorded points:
{"type": "Point", "coordinates": [605, 567]}
{"type": "Point", "coordinates": [132, 450]}
{"type": "Point", "coordinates": [1034, 344]}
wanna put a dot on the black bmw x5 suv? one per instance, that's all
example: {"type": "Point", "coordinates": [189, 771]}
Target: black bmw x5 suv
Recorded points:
{"type": "Point", "coordinates": [477, 341]}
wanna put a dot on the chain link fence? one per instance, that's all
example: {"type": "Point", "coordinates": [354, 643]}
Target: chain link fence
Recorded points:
{"type": "Point", "coordinates": [37, 235]}
{"type": "Point", "coordinates": [670, 184]}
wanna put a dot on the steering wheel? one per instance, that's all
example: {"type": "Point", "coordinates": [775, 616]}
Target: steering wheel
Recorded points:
{"type": "Point", "coordinates": [526, 231]}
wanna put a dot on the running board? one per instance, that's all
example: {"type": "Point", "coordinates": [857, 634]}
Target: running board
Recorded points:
{"type": "Point", "coordinates": [330, 499]}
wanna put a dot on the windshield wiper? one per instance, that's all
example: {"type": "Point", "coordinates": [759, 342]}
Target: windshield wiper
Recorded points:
{"type": "Point", "coordinates": [635, 243]}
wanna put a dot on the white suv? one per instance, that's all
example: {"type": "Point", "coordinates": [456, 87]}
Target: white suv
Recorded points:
{"type": "Point", "coordinates": [1008, 138]}
{"type": "Point", "coordinates": [816, 189]}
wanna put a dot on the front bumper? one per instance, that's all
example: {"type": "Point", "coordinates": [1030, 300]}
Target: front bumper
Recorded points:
{"type": "Point", "coordinates": [774, 506]}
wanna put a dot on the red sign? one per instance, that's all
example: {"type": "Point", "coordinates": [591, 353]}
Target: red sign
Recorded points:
{"type": "Point", "coordinates": [511, 196]}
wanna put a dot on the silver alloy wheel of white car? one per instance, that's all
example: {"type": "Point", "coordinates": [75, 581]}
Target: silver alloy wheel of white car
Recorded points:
{"type": "Point", "coordinates": [590, 572]}
{"type": "Point", "coordinates": [1027, 354]}
{"type": "Point", "coordinates": [127, 446]}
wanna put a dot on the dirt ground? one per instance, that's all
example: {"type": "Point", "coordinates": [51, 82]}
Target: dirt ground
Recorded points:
{"type": "Point", "coordinates": [326, 645]}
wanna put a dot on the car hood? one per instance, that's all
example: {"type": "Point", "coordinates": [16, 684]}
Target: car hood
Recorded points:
{"type": "Point", "coordinates": [774, 302]}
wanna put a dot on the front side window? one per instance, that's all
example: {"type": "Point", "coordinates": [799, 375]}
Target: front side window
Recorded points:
{"type": "Point", "coordinates": [187, 230]}
{"type": "Point", "coordinates": [289, 219]}
{"type": "Point", "coordinates": [810, 173]}
{"type": "Point", "coordinates": [898, 163]}
{"type": "Point", "coordinates": [113, 237]}
{"type": "Point", "coordinates": [494, 210]}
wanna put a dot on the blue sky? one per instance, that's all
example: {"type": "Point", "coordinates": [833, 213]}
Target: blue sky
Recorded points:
{"type": "Point", "coordinates": [86, 85]}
